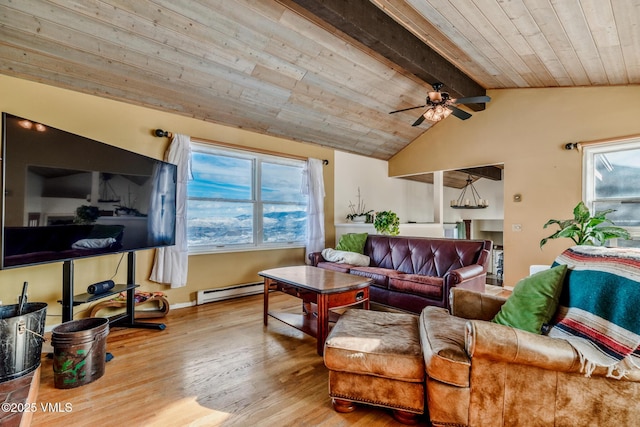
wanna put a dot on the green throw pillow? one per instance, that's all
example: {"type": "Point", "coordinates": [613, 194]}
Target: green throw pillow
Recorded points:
{"type": "Point", "coordinates": [352, 242]}
{"type": "Point", "coordinates": [534, 300]}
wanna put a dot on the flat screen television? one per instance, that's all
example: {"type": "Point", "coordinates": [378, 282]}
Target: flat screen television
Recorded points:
{"type": "Point", "coordinates": [65, 196]}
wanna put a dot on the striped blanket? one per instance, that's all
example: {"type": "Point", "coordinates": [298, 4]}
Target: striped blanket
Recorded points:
{"type": "Point", "coordinates": [599, 307]}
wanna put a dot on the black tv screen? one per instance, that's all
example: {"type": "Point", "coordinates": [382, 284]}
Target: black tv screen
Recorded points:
{"type": "Point", "coordinates": [65, 196]}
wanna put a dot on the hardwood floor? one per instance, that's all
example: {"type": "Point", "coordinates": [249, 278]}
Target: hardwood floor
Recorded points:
{"type": "Point", "coordinates": [214, 365]}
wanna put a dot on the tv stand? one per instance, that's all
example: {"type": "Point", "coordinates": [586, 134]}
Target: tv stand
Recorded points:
{"type": "Point", "coordinates": [126, 319]}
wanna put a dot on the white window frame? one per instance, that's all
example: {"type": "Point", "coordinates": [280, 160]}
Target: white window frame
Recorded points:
{"type": "Point", "coordinates": [588, 187]}
{"type": "Point", "coordinates": [256, 199]}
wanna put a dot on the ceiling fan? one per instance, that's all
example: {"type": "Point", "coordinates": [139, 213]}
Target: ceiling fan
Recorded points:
{"type": "Point", "coordinates": [440, 105]}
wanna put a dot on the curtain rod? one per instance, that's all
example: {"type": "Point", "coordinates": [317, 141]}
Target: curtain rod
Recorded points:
{"type": "Point", "coordinates": [578, 145]}
{"type": "Point", "coordinates": [165, 134]}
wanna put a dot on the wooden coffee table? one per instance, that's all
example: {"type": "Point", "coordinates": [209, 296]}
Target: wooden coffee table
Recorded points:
{"type": "Point", "coordinates": [315, 286]}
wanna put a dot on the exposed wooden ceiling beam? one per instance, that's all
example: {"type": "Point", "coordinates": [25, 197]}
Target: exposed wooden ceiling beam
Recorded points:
{"type": "Point", "coordinates": [490, 172]}
{"type": "Point", "coordinates": [458, 178]}
{"type": "Point", "coordinates": [369, 25]}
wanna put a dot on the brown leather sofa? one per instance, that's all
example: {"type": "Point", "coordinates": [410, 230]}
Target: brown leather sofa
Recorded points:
{"type": "Point", "coordinates": [410, 273]}
{"type": "Point", "coordinates": [485, 374]}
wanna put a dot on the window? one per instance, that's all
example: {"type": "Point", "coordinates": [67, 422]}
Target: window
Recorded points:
{"type": "Point", "coordinates": [240, 200]}
{"type": "Point", "coordinates": [611, 176]}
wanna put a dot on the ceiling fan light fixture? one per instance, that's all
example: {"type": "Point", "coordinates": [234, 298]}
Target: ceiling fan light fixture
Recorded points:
{"type": "Point", "coordinates": [429, 114]}
{"type": "Point", "coordinates": [440, 106]}
{"type": "Point", "coordinates": [435, 96]}
{"type": "Point", "coordinates": [437, 113]}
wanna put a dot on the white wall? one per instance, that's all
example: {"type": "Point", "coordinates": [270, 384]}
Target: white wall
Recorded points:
{"type": "Point", "coordinates": [411, 201]}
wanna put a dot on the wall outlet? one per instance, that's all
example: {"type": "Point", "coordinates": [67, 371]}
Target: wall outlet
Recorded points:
{"type": "Point", "coordinates": [516, 227]}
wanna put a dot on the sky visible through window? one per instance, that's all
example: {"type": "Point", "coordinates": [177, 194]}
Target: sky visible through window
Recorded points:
{"type": "Point", "coordinates": [221, 209]}
{"type": "Point", "coordinates": [220, 177]}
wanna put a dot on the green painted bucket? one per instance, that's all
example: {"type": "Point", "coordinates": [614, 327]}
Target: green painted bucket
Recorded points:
{"type": "Point", "coordinates": [79, 351]}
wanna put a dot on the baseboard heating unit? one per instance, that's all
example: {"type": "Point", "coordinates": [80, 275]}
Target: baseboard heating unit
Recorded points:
{"type": "Point", "coordinates": [211, 295]}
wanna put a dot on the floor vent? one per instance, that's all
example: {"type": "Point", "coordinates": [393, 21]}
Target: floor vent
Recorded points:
{"type": "Point", "coordinates": [211, 295]}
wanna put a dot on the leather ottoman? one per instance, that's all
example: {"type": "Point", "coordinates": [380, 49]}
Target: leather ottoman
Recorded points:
{"type": "Point", "coordinates": [376, 358]}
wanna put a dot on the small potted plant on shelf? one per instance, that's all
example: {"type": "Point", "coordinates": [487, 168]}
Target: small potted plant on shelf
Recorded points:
{"type": "Point", "coordinates": [387, 222]}
{"type": "Point", "coordinates": [359, 212]}
{"type": "Point", "coordinates": [585, 229]}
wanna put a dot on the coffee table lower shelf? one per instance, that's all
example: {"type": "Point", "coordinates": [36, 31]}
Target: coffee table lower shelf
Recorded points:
{"type": "Point", "coordinates": [321, 291]}
{"type": "Point", "coordinates": [307, 323]}
{"type": "Point", "coordinates": [301, 322]}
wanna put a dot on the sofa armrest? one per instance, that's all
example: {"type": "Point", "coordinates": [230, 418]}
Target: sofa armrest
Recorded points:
{"type": "Point", "coordinates": [461, 274]}
{"type": "Point", "coordinates": [474, 305]}
{"type": "Point", "coordinates": [510, 345]}
{"type": "Point", "coordinates": [485, 257]}
{"type": "Point", "coordinates": [315, 258]}
{"type": "Point", "coordinates": [472, 277]}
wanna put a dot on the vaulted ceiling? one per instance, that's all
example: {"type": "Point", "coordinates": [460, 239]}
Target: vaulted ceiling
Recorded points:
{"type": "Point", "coordinates": [326, 72]}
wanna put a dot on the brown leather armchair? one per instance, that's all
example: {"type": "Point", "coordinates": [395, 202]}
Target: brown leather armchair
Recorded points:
{"type": "Point", "coordinates": [483, 374]}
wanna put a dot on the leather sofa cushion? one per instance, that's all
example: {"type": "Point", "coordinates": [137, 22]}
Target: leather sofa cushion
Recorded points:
{"type": "Point", "coordinates": [376, 343]}
{"type": "Point", "coordinates": [379, 275]}
{"type": "Point", "coordinates": [427, 286]}
{"type": "Point", "coordinates": [443, 341]}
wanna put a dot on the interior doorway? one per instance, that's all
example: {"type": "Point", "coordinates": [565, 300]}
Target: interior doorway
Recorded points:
{"type": "Point", "coordinates": [463, 218]}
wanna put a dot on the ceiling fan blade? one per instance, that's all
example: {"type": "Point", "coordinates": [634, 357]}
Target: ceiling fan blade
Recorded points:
{"type": "Point", "coordinates": [472, 100]}
{"type": "Point", "coordinates": [407, 109]}
{"type": "Point", "coordinates": [419, 121]}
{"type": "Point", "coordinates": [462, 115]}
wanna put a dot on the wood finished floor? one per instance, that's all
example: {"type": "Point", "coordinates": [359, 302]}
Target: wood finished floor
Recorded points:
{"type": "Point", "coordinates": [214, 365]}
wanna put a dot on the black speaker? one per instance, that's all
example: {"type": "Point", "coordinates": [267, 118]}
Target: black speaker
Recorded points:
{"type": "Point", "coordinates": [101, 287]}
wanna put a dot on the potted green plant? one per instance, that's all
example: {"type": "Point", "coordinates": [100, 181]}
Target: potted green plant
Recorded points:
{"type": "Point", "coordinates": [358, 212]}
{"type": "Point", "coordinates": [387, 222]}
{"type": "Point", "coordinates": [585, 229]}
{"type": "Point", "coordinates": [86, 214]}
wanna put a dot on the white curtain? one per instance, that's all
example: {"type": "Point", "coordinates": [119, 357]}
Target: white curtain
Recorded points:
{"type": "Point", "coordinates": [171, 263]}
{"type": "Point", "coordinates": [313, 187]}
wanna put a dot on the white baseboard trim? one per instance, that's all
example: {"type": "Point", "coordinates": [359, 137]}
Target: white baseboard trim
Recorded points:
{"type": "Point", "coordinates": [182, 305]}
{"type": "Point", "coordinates": [212, 295]}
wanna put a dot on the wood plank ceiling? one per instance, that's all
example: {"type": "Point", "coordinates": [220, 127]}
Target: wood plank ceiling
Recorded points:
{"type": "Point", "coordinates": [263, 65]}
